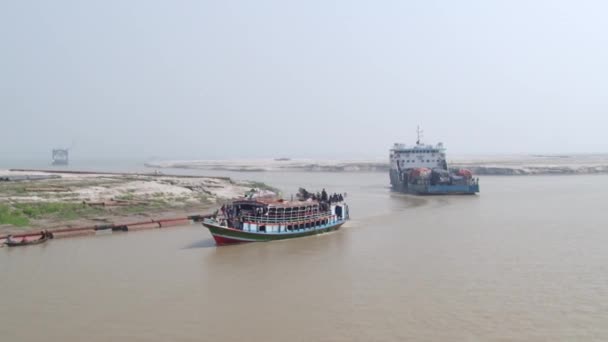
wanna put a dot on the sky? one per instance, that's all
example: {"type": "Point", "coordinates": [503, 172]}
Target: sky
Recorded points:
{"type": "Point", "coordinates": [226, 79]}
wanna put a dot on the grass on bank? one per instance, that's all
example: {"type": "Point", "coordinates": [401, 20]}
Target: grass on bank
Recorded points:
{"type": "Point", "coordinates": [12, 217]}
{"type": "Point", "coordinates": [20, 214]}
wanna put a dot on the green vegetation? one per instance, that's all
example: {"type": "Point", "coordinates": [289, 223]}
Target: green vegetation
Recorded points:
{"type": "Point", "coordinates": [14, 217]}
{"type": "Point", "coordinates": [61, 210]}
{"type": "Point", "coordinates": [20, 214]}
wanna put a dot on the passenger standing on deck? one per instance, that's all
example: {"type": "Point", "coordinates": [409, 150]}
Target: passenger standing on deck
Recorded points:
{"type": "Point", "coordinates": [323, 195]}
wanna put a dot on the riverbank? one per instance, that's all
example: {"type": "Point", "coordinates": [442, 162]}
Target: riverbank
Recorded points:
{"type": "Point", "coordinates": [34, 200]}
{"type": "Point", "coordinates": [504, 165]}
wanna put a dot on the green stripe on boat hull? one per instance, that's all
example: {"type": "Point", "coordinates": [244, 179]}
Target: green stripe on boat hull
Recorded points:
{"type": "Point", "coordinates": [224, 235]}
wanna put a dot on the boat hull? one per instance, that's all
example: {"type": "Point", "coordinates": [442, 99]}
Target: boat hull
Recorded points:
{"type": "Point", "coordinates": [224, 235]}
{"type": "Point", "coordinates": [16, 243]}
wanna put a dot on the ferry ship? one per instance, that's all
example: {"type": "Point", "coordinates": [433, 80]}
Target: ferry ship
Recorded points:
{"type": "Point", "coordinates": [252, 219]}
{"type": "Point", "coordinates": [422, 169]}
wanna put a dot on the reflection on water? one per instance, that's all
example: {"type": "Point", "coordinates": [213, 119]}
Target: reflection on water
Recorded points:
{"type": "Point", "coordinates": [519, 262]}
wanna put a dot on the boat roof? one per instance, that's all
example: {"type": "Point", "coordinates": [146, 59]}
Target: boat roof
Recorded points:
{"type": "Point", "coordinates": [274, 202]}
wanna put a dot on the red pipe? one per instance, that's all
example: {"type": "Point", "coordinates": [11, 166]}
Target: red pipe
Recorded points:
{"type": "Point", "coordinates": [169, 222]}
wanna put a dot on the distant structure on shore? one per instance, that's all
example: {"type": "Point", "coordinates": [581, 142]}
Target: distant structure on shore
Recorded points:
{"type": "Point", "coordinates": [60, 156]}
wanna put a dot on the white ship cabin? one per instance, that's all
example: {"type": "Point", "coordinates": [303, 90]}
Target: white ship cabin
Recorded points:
{"type": "Point", "coordinates": [279, 216]}
{"type": "Point", "coordinates": [403, 157]}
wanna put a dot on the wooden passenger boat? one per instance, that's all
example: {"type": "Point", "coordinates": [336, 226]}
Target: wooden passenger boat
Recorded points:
{"type": "Point", "coordinates": [269, 219]}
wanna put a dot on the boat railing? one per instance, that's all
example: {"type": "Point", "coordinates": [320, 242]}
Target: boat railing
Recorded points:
{"type": "Point", "coordinates": [283, 220]}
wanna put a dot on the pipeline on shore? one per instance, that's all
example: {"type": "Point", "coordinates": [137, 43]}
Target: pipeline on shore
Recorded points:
{"type": "Point", "coordinates": [113, 227]}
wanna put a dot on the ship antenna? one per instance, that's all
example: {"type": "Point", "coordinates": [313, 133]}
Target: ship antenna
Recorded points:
{"type": "Point", "coordinates": [419, 133]}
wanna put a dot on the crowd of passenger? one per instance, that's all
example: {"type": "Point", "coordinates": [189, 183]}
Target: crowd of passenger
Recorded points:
{"type": "Point", "coordinates": [321, 196]}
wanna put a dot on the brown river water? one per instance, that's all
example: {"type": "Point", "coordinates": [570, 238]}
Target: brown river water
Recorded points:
{"type": "Point", "coordinates": [527, 260]}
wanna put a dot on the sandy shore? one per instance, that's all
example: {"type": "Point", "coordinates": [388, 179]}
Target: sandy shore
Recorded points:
{"type": "Point", "coordinates": [535, 164]}
{"type": "Point", "coordinates": [252, 165]}
{"type": "Point", "coordinates": [480, 165]}
{"type": "Point", "coordinates": [39, 200]}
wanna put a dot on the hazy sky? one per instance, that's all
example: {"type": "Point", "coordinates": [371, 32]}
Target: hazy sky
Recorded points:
{"type": "Point", "coordinates": [250, 79]}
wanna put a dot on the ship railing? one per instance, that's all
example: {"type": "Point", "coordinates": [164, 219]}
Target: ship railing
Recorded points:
{"type": "Point", "coordinates": [427, 183]}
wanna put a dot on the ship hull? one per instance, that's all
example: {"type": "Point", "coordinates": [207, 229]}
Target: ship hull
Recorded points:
{"type": "Point", "coordinates": [225, 235]}
{"type": "Point", "coordinates": [415, 189]}
{"type": "Point", "coordinates": [426, 188]}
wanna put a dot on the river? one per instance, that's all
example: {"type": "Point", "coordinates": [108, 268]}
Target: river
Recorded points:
{"type": "Point", "coordinates": [526, 260]}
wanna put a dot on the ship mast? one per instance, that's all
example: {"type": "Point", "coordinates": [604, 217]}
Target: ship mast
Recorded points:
{"type": "Point", "coordinates": [419, 134]}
